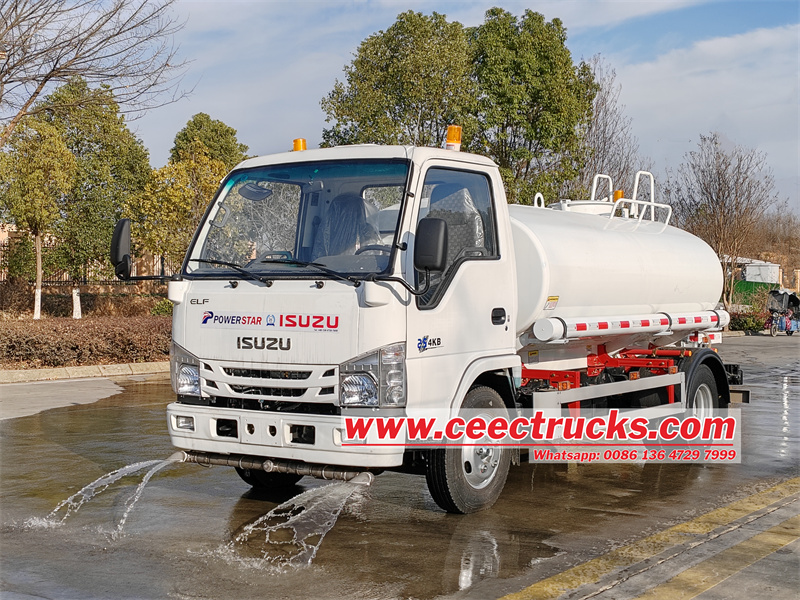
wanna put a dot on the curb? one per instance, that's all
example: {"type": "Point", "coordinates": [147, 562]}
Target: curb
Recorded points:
{"type": "Point", "coordinates": [28, 375]}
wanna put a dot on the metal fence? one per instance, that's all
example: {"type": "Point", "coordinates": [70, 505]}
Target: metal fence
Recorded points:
{"type": "Point", "coordinates": [95, 272]}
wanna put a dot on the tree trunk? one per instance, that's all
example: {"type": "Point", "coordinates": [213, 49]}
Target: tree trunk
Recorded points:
{"type": "Point", "coordinates": [37, 302]}
{"type": "Point", "coordinates": [76, 302]}
{"type": "Point", "coordinates": [730, 281]}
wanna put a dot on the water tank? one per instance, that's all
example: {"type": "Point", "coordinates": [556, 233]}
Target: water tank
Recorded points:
{"type": "Point", "coordinates": [571, 264]}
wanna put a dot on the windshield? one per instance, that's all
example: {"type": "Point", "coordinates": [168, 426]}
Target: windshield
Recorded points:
{"type": "Point", "coordinates": [312, 219]}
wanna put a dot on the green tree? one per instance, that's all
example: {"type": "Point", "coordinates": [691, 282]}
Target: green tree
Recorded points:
{"type": "Point", "coordinates": [166, 214]}
{"type": "Point", "coordinates": [533, 101]}
{"type": "Point", "coordinates": [36, 171]}
{"type": "Point", "coordinates": [511, 83]}
{"type": "Point", "coordinates": [218, 138]}
{"type": "Point", "coordinates": [404, 86]}
{"type": "Point", "coordinates": [112, 164]}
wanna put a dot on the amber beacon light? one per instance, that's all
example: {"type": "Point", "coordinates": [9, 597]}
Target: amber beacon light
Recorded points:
{"type": "Point", "coordinates": [299, 144]}
{"type": "Point", "coordinates": [453, 138]}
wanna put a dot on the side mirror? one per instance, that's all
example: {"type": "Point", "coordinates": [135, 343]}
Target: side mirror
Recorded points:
{"type": "Point", "coordinates": [430, 245]}
{"type": "Point", "coordinates": [121, 249]}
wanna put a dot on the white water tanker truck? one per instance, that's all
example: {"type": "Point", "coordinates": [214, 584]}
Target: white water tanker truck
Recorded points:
{"type": "Point", "coordinates": [391, 280]}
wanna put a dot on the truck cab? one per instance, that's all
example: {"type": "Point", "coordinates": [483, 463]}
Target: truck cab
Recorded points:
{"type": "Point", "coordinates": [299, 301]}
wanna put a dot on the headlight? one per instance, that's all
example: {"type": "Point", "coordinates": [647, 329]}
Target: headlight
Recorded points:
{"type": "Point", "coordinates": [359, 390]}
{"type": "Point", "coordinates": [375, 379]}
{"type": "Point", "coordinates": [184, 371]}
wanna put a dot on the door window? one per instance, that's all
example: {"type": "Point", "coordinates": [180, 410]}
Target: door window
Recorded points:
{"type": "Point", "coordinates": [463, 201]}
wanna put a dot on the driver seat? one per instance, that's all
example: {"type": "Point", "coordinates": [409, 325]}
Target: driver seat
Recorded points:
{"type": "Point", "coordinates": [344, 228]}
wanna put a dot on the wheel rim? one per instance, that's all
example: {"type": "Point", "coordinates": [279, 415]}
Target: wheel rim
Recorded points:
{"type": "Point", "coordinates": [703, 403]}
{"type": "Point", "coordinates": [479, 462]}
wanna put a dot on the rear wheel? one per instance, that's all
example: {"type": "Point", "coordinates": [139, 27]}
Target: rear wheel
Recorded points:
{"type": "Point", "coordinates": [261, 480]}
{"type": "Point", "coordinates": [466, 479]}
{"type": "Point", "coordinates": [703, 396]}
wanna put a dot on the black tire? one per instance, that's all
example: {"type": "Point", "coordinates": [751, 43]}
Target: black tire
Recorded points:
{"type": "Point", "coordinates": [468, 479]}
{"type": "Point", "coordinates": [773, 329]}
{"type": "Point", "coordinates": [703, 395]}
{"type": "Point", "coordinates": [261, 480]}
{"type": "Point", "coordinates": [789, 332]}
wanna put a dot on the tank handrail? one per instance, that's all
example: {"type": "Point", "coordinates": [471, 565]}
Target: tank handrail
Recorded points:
{"type": "Point", "coordinates": [596, 178]}
{"type": "Point", "coordinates": [639, 175]}
{"type": "Point", "coordinates": [645, 204]}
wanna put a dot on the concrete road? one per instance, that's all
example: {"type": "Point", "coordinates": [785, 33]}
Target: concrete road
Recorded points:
{"type": "Point", "coordinates": [571, 531]}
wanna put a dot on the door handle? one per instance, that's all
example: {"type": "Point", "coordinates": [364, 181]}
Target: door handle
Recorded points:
{"type": "Point", "coordinates": [498, 316]}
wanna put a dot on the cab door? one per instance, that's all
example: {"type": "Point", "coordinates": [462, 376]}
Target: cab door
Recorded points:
{"type": "Point", "coordinates": [466, 317]}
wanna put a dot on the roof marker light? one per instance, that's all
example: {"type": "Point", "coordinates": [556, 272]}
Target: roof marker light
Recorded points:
{"type": "Point", "coordinates": [453, 138]}
{"type": "Point", "coordinates": [298, 145]}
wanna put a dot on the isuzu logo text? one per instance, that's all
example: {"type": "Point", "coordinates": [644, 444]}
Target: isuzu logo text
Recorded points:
{"type": "Point", "coordinates": [275, 322]}
{"type": "Point", "coordinates": [263, 343]}
{"type": "Point", "coordinates": [309, 321]}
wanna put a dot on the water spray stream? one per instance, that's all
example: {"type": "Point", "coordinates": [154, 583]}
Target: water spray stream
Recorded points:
{"type": "Point", "coordinates": [294, 530]}
{"type": "Point", "coordinates": [131, 501]}
{"type": "Point", "coordinates": [86, 493]}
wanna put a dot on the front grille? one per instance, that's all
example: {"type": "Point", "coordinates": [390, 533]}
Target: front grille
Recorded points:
{"type": "Point", "coordinates": [270, 383]}
{"type": "Point", "coordinates": [268, 391]}
{"type": "Point", "coordinates": [266, 373]}
{"type": "Point", "coordinates": [306, 408]}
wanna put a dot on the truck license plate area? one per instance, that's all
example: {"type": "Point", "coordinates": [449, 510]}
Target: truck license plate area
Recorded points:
{"type": "Point", "coordinates": [227, 428]}
{"type": "Point", "coordinates": [301, 434]}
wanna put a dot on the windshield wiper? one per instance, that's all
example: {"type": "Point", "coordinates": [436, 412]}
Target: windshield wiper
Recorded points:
{"type": "Point", "coordinates": [303, 263]}
{"type": "Point", "coordinates": [238, 268]}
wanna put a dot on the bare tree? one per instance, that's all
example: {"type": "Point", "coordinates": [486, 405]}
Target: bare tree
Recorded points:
{"type": "Point", "coordinates": [125, 44]}
{"type": "Point", "coordinates": [777, 239]}
{"type": "Point", "coordinates": [609, 145]}
{"type": "Point", "coordinates": [720, 193]}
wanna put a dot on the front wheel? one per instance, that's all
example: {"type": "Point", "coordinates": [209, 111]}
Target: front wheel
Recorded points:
{"type": "Point", "coordinates": [261, 480]}
{"type": "Point", "coordinates": [773, 329]}
{"type": "Point", "coordinates": [469, 478]}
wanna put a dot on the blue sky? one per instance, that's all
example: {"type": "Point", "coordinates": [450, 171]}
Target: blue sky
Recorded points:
{"type": "Point", "coordinates": [686, 67]}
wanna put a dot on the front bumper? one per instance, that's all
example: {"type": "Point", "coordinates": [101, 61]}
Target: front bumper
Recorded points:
{"type": "Point", "coordinates": [309, 438]}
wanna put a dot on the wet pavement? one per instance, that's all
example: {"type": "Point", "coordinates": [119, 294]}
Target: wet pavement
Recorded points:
{"type": "Point", "coordinates": [390, 541]}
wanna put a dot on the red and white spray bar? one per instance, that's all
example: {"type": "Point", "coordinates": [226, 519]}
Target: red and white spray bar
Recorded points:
{"type": "Point", "coordinates": [556, 328]}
